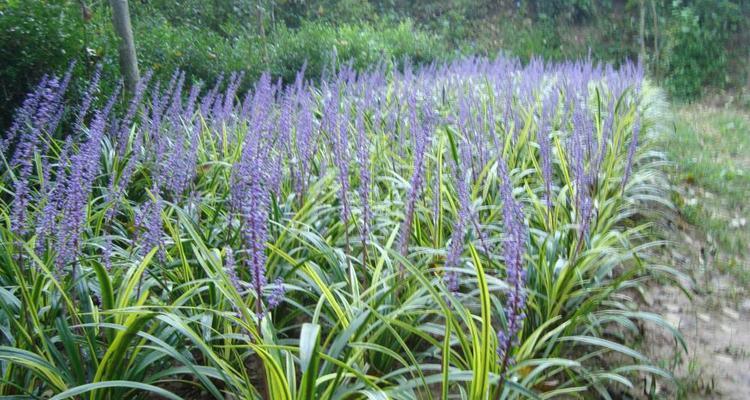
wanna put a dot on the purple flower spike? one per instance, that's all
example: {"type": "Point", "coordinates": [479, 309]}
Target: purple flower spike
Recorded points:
{"type": "Point", "coordinates": [543, 137]}
{"type": "Point", "coordinates": [305, 142]}
{"type": "Point", "coordinates": [363, 157]}
{"type": "Point", "coordinates": [78, 186]}
{"type": "Point", "coordinates": [421, 135]}
{"type": "Point", "coordinates": [457, 238]}
{"type": "Point", "coordinates": [277, 294]}
{"type": "Point", "coordinates": [334, 124]}
{"type": "Point", "coordinates": [135, 102]}
{"type": "Point", "coordinates": [231, 269]}
{"type": "Point", "coordinates": [514, 247]}
{"type": "Point", "coordinates": [252, 184]}
{"type": "Point", "coordinates": [148, 220]}
{"type": "Point", "coordinates": [455, 249]}
{"type": "Point", "coordinates": [195, 91]}
{"type": "Point", "coordinates": [88, 97]}
{"type": "Point", "coordinates": [107, 253]}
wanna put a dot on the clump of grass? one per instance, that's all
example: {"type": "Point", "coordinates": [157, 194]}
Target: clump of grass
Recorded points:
{"type": "Point", "coordinates": [711, 168]}
{"type": "Point", "coordinates": [290, 242]}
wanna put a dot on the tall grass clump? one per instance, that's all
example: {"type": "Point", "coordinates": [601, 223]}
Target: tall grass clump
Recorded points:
{"type": "Point", "coordinates": [471, 230]}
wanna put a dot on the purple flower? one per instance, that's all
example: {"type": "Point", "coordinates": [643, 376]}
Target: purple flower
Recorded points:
{"type": "Point", "coordinates": [156, 114]}
{"type": "Point", "coordinates": [363, 158]}
{"type": "Point", "coordinates": [23, 116]}
{"type": "Point", "coordinates": [78, 185]}
{"type": "Point", "coordinates": [195, 91]}
{"type": "Point", "coordinates": [543, 137]}
{"type": "Point", "coordinates": [468, 129]}
{"type": "Point", "coordinates": [452, 260]}
{"type": "Point", "coordinates": [88, 97]}
{"type": "Point", "coordinates": [107, 253]}
{"type": "Point", "coordinates": [231, 270]}
{"type": "Point", "coordinates": [421, 134]}
{"type": "Point", "coordinates": [174, 111]}
{"type": "Point", "coordinates": [179, 166]}
{"type": "Point", "coordinates": [28, 126]}
{"type": "Point", "coordinates": [277, 294]}
{"type": "Point", "coordinates": [39, 114]}
{"type": "Point", "coordinates": [229, 96]}
{"type": "Point", "coordinates": [335, 126]}
{"type": "Point", "coordinates": [135, 102]}
{"type": "Point", "coordinates": [255, 213]}
{"type": "Point", "coordinates": [21, 194]}
{"type": "Point", "coordinates": [585, 213]}
{"type": "Point", "coordinates": [33, 121]}
{"type": "Point", "coordinates": [514, 247]}
{"type": "Point", "coordinates": [581, 146]}
{"type": "Point", "coordinates": [305, 142]}
{"type": "Point", "coordinates": [250, 189]}
{"type": "Point", "coordinates": [53, 201]}
{"type": "Point", "coordinates": [148, 221]}
{"type": "Point", "coordinates": [210, 98]}
{"type": "Point", "coordinates": [57, 106]}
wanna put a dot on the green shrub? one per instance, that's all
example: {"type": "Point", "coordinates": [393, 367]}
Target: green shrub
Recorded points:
{"type": "Point", "coordinates": [694, 59]}
{"type": "Point", "coordinates": [528, 40]}
{"type": "Point", "coordinates": [203, 54]}
{"type": "Point", "coordinates": [37, 37]}
{"type": "Point", "coordinates": [222, 17]}
{"type": "Point", "coordinates": [363, 44]}
{"type": "Point", "coordinates": [697, 45]}
{"type": "Point", "coordinates": [568, 9]}
{"type": "Point", "coordinates": [205, 40]}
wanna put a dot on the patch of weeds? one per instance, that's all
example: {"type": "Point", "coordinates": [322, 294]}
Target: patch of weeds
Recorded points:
{"type": "Point", "coordinates": [711, 153]}
{"type": "Point", "coordinates": [695, 382]}
{"type": "Point", "coordinates": [735, 268]}
{"type": "Point", "coordinates": [736, 352]}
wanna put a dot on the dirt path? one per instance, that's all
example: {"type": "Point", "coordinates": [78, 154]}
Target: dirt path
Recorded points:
{"type": "Point", "coordinates": [715, 325]}
{"type": "Point", "coordinates": [710, 245]}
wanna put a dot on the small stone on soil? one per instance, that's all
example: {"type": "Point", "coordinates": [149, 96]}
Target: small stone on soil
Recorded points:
{"type": "Point", "coordinates": [724, 359]}
{"type": "Point", "coordinates": [704, 317]}
{"type": "Point", "coordinates": [731, 313]}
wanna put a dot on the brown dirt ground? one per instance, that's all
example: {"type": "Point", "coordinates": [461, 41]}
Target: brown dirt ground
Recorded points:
{"type": "Point", "coordinates": [713, 315]}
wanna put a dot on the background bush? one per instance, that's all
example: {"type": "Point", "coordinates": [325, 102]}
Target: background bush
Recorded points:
{"type": "Point", "coordinates": [205, 39]}
{"type": "Point", "coordinates": [698, 41]}
{"type": "Point", "coordinates": [697, 37]}
{"type": "Point", "coordinates": [37, 38]}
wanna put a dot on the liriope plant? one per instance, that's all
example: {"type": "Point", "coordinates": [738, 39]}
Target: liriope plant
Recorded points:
{"type": "Point", "coordinates": [468, 230]}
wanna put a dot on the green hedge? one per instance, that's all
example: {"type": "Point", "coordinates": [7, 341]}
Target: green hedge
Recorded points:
{"type": "Point", "coordinates": [206, 54]}
{"type": "Point", "coordinates": [207, 39]}
{"type": "Point", "coordinates": [36, 37]}
{"type": "Point", "coordinates": [45, 36]}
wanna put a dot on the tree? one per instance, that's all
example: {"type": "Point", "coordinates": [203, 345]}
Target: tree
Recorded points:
{"type": "Point", "coordinates": [642, 31]}
{"type": "Point", "coordinates": [657, 61]}
{"type": "Point", "coordinates": [124, 30]}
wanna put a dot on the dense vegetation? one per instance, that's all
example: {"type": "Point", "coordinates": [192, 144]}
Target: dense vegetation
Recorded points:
{"type": "Point", "coordinates": [686, 44]}
{"type": "Point", "coordinates": [468, 230]}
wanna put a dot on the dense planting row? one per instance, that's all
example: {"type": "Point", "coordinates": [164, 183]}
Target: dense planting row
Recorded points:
{"type": "Point", "coordinates": [457, 231]}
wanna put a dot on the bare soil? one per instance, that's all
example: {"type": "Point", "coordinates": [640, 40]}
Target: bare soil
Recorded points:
{"type": "Point", "coordinates": [712, 311]}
